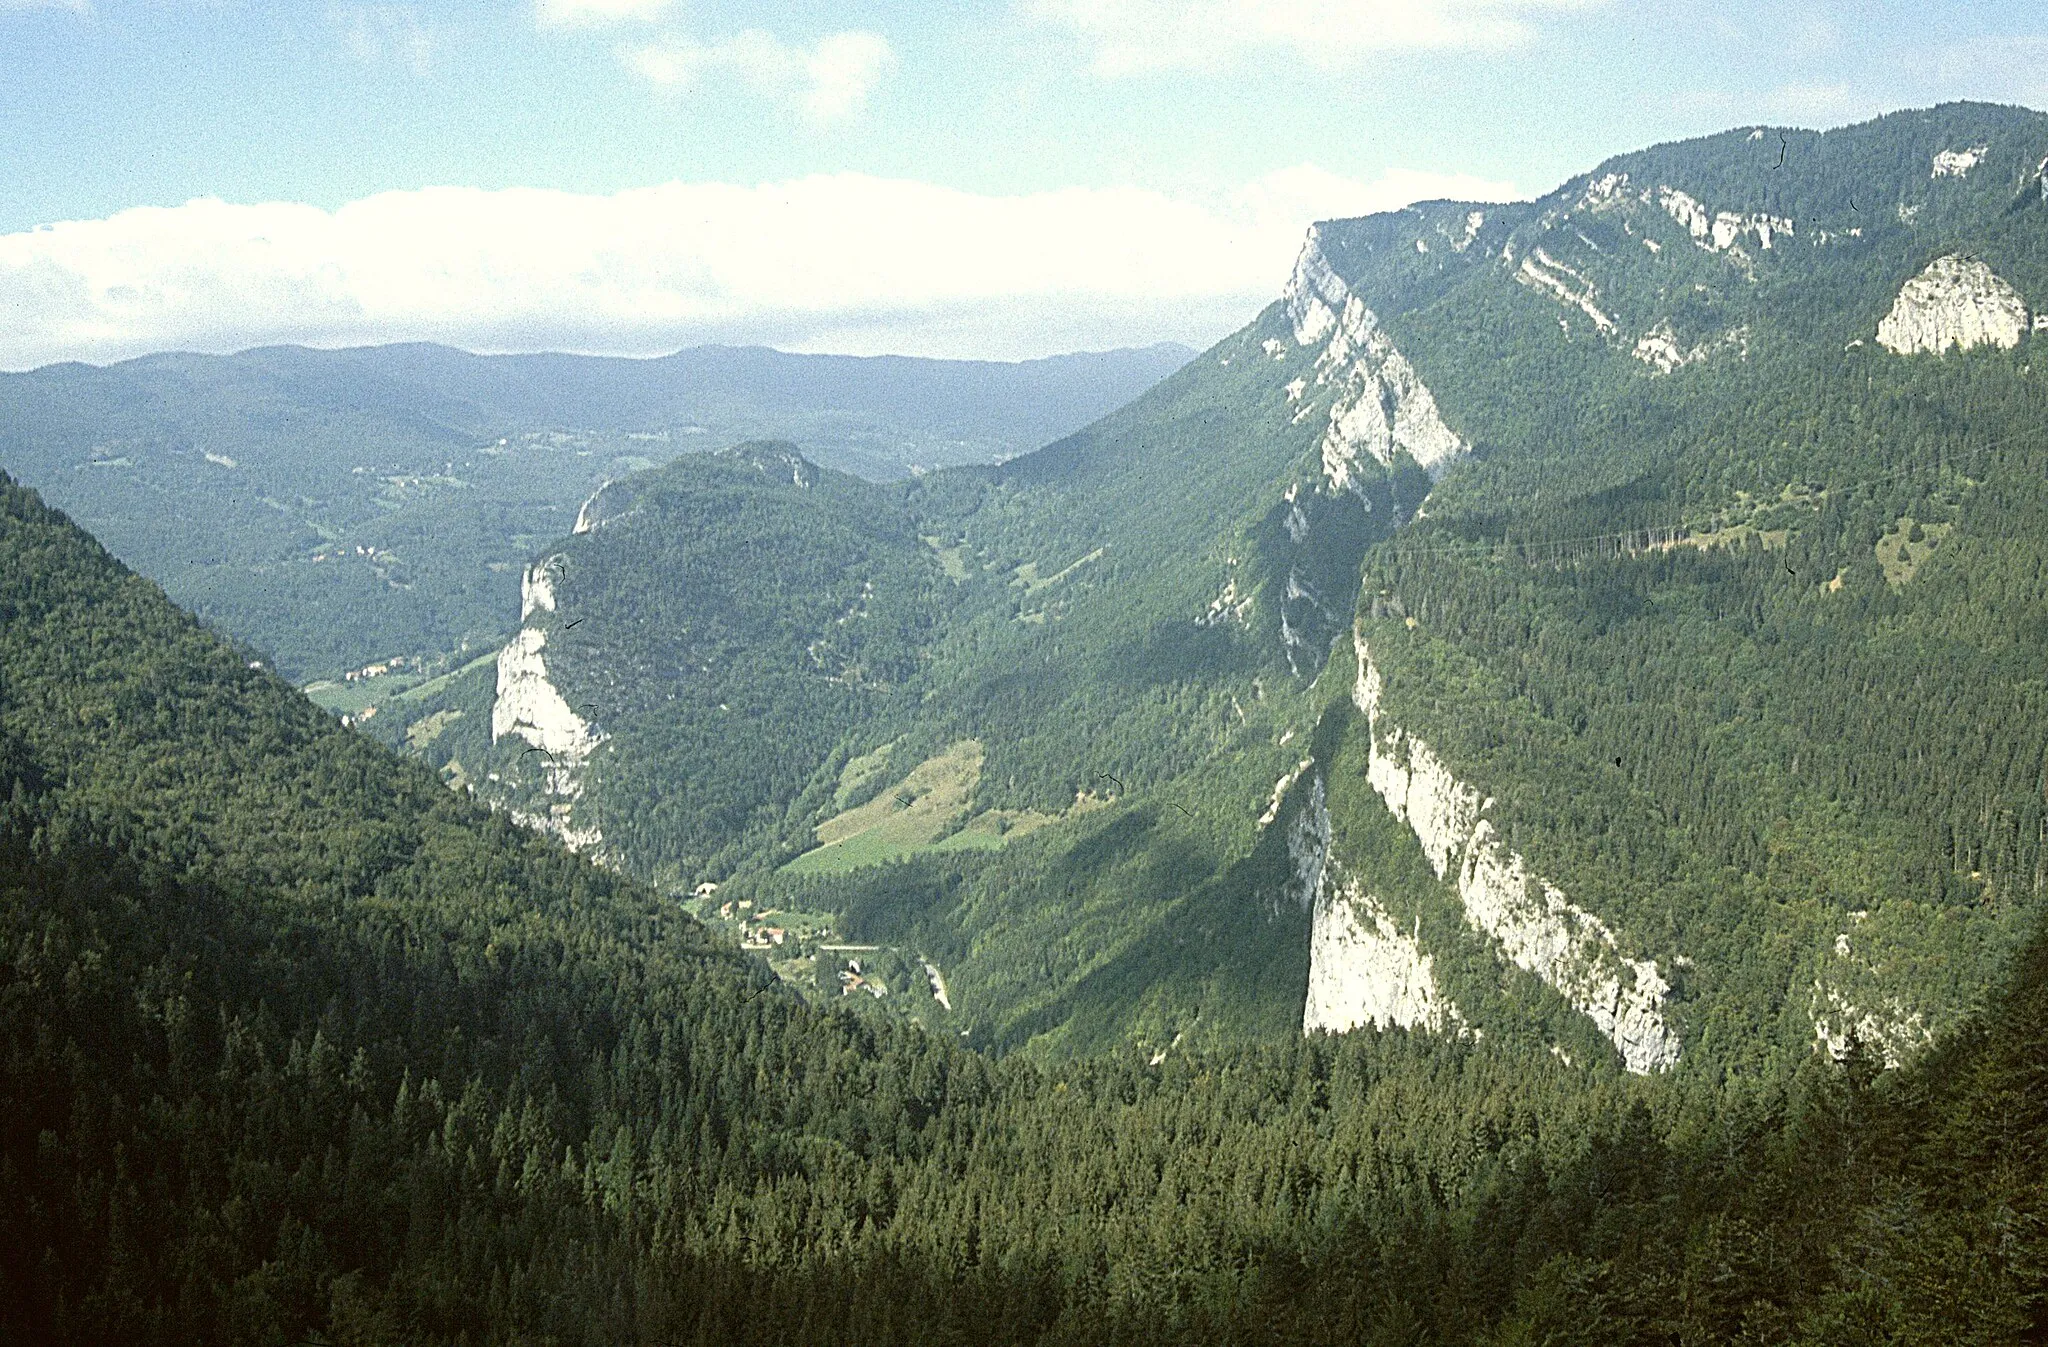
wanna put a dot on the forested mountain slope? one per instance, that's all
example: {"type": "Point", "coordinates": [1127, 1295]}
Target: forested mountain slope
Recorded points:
{"type": "Point", "coordinates": [1741, 653]}
{"type": "Point", "coordinates": [337, 508]}
{"type": "Point", "coordinates": [296, 1046]}
{"type": "Point", "coordinates": [1612, 622]}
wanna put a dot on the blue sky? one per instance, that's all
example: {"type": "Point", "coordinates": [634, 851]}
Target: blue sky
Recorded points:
{"type": "Point", "coordinates": [1127, 169]}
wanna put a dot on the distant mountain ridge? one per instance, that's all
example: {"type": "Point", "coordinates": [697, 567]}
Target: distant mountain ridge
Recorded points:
{"type": "Point", "coordinates": [337, 507]}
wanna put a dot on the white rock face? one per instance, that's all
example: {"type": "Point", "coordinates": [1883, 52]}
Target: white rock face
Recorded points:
{"type": "Point", "coordinates": [591, 514]}
{"type": "Point", "coordinates": [1280, 789]}
{"type": "Point", "coordinates": [1895, 1036]}
{"type": "Point", "coordinates": [530, 707]}
{"type": "Point", "coordinates": [1545, 274]}
{"type": "Point", "coordinates": [1659, 349]}
{"type": "Point", "coordinates": [1537, 928]}
{"type": "Point", "coordinates": [1689, 213]}
{"type": "Point", "coordinates": [1380, 405]}
{"type": "Point", "coordinates": [1604, 192]}
{"type": "Point", "coordinates": [556, 821]}
{"type": "Point", "coordinates": [1308, 842]}
{"type": "Point", "coordinates": [1957, 301]}
{"type": "Point", "coordinates": [1362, 970]}
{"type": "Point", "coordinates": [1227, 606]}
{"type": "Point", "coordinates": [1894, 1032]}
{"type": "Point", "coordinates": [536, 590]}
{"type": "Point", "coordinates": [1730, 227]}
{"type": "Point", "coordinates": [1955, 163]}
{"type": "Point", "coordinates": [1718, 232]}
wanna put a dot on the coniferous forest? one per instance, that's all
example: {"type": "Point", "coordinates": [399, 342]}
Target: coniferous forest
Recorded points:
{"type": "Point", "coordinates": [300, 1046]}
{"type": "Point", "coordinates": [316, 1036]}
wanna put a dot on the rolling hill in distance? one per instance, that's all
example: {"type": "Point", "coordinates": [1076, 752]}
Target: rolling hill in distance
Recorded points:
{"type": "Point", "coordinates": [335, 508]}
{"type": "Point", "coordinates": [1505, 802]}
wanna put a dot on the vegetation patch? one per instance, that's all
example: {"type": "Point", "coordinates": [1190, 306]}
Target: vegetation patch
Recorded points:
{"type": "Point", "coordinates": [952, 559]}
{"type": "Point", "coordinates": [907, 817]}
{"type": "Point", "coordinates": [1910, 542]}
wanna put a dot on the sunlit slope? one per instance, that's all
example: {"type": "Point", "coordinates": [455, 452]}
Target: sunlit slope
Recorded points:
{"type": "Point", "coordinates": [1682, 351]}
{"type": "Point", "coordinates": [1126, 622]}
{"type": "Point", "coordinates": [1713, 688]}
{"type": "Point", "coordinates": [302, 1047]}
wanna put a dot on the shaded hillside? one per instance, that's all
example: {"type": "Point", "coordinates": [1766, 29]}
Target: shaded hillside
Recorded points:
{"type": "Point", "coordinates": [299, 1047]}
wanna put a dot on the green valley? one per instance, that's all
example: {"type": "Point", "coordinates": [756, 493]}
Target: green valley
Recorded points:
{"type": "Point", "coordinates": [1506, 802]}
{"type": "Point", "coordinates": [1652, 631]}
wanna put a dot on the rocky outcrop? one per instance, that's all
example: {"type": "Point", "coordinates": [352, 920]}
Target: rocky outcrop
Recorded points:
{"type": "Point", "coordinates": [1545, 274]}
{"type": "Point", "coordinates": [528, 706]}
{"type": "Point", "coordinates": [1536, 927]}
{"type": "Point", "coordinates": [1659, 347]}
{"type": "Point", "coordinates": [1839, 1026]}
{"type": "Point", "coordinates": [1847, 986]}
{"type": "Point", "coordinates": [1280, 789]}
{"type": "Point", "coordinates": [537, 589]}
{"type": "Point", "coordinates": [1956, 163]}
{"type": "Point", "coordinates": [1957, 301]}
{"type": "Point", "coordinates": [1230, 605]}
{"type": "Point", "coordinates": [1721, 231]}
{"type": "Point", "coordinates": [594, 513]}
{"type": "Point", "coordinates": [1379, 405]}
{"type": "Point", "coordinates": [1308, 842]}
{"type": "Point", "coordinates": [1362, 970]}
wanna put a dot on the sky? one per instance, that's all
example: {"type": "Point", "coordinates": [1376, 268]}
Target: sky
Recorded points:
{"type": "Point", "coordinates": [991, 179]}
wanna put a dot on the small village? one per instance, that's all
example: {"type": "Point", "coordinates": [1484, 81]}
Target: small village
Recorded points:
{"type": "Point", "coordinates": [801, 949]}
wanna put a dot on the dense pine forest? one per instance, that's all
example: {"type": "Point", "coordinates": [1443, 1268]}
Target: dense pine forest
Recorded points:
{"type": "Point", "coordinates": [1714, 627]}
{"type": "Point", "coordinates": [302, 1047]}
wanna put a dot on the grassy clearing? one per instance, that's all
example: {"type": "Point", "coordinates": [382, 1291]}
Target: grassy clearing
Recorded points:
{"type": "Point", "coordinates": [428, 728]}
{"type": "Point", "coordinates": [1900, 552]}
{"type": "Point", "coordinates": [887, 828]}
{"type": "Point", "coordinates": [907, 817]}
{"type": "Point", "coordinates": [436, 684]}
{"type": "Point", "coordinates": [994, 830]}
{"type": "Point", "coordinates": [952, 559]}
{"type": "Point", "coordinates": [858, 774]}
{"type": "Point", "coordinates": [1029, 578]}
{"type": "Point", "coordinates": [352, 699]}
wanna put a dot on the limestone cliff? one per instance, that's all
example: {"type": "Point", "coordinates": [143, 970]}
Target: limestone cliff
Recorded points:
{"type": "Point", "coordinates": [1536, 927]}
{"type": "Point", "coordinates": [1379, 405]}
{"type": "Point", "coordinates": [529, 706]}
{"type": "Point", "coordinates": [1362, 970]}
{"type": "Point", "coordinates": [1957, 301]}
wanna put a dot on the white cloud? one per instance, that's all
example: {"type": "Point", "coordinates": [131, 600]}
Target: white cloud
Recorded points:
{"type": "Point", "coordinates": [842, 262]}
{"type": "Point", "coordinates": [829, 81]}
{"type": "Point", "coordinates": [1137, 36]}
{"type": "Point", "coordinates": [376, 34]}
{"type": "Point", "coordinates": [590, 13]}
